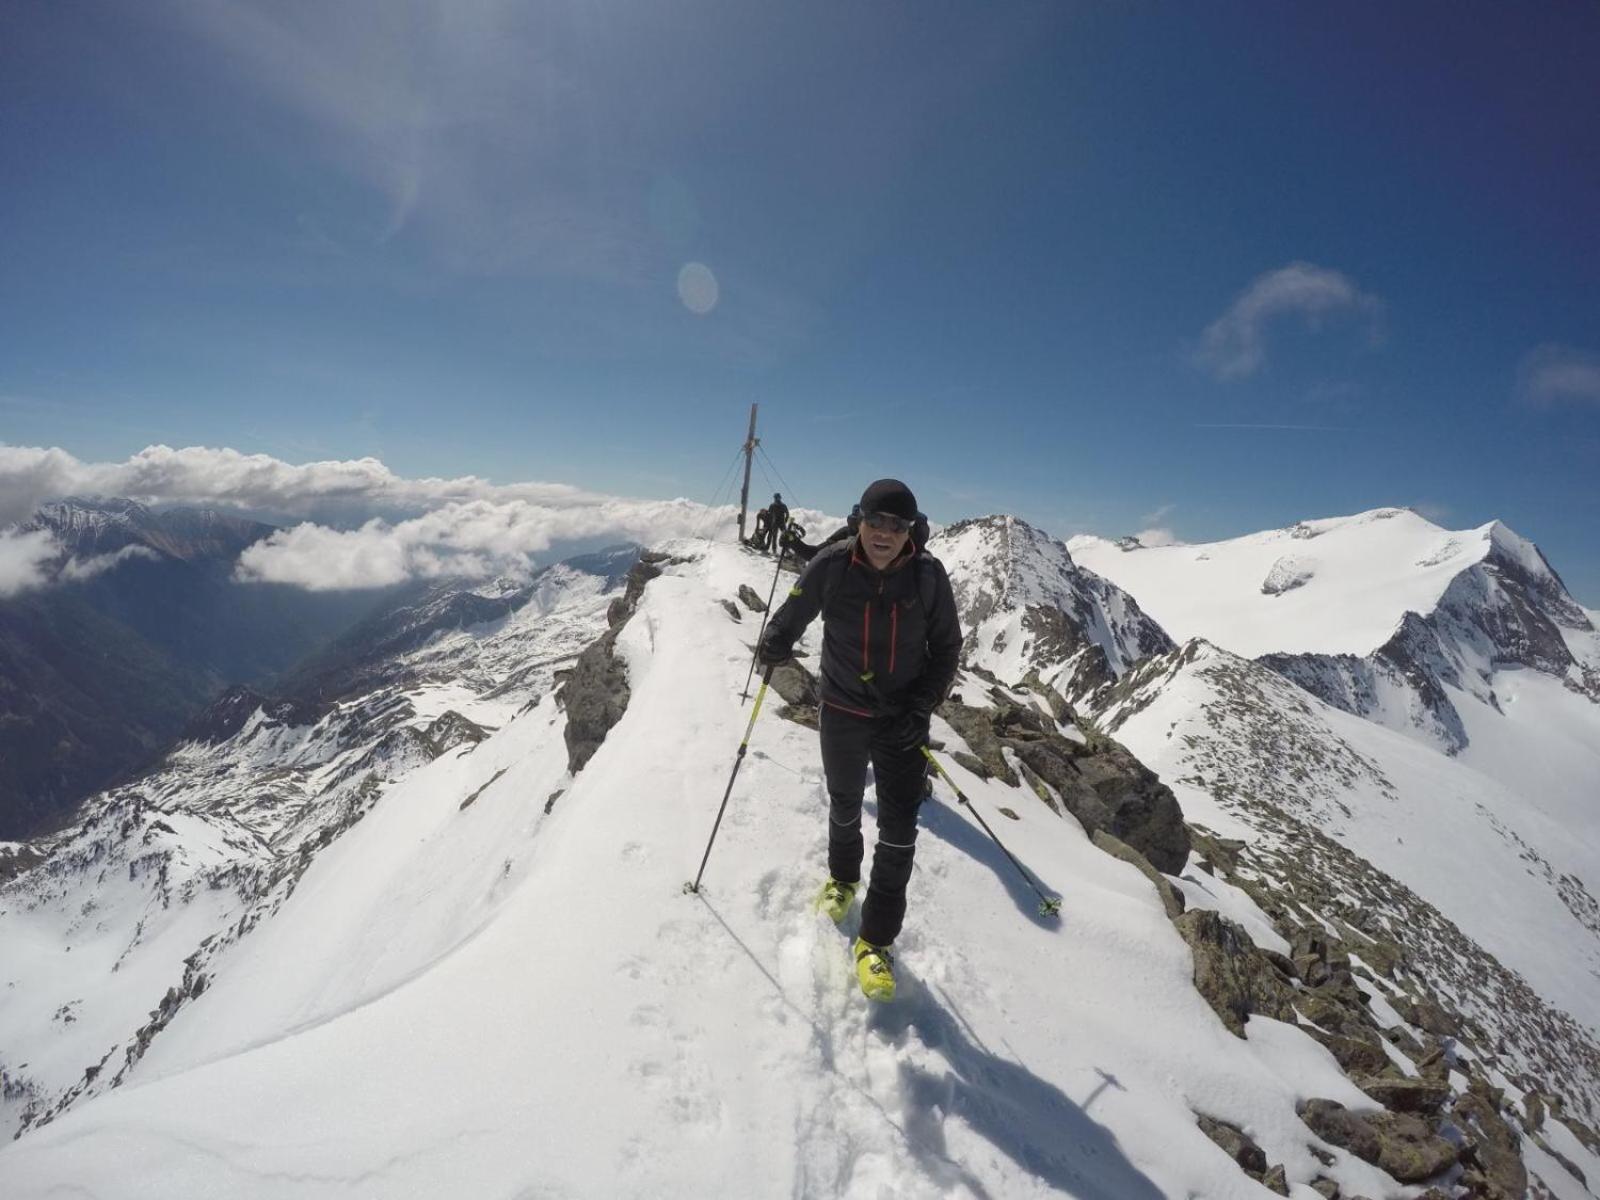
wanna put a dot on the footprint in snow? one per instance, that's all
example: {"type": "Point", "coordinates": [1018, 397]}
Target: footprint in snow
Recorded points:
{"type": "Point", "coordinates": [635, 852]}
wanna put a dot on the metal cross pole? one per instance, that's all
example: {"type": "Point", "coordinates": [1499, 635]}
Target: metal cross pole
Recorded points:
{"type": "Point", "coordinates": [750, 444]}
{"type": "Point", "coordinates": [1048, 906]}
{"type": "Point", "coordinates": [761, 693]}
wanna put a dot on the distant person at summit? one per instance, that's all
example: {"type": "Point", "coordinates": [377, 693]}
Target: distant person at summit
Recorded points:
{"type": "Point", "coordinates": [891, 642]}
{"type": "Point", "coordinates": [777, 522]}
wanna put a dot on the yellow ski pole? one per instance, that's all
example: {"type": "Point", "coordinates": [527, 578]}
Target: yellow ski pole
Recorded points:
{"type": "Point", "coordinates": [761, 694]}
{"type": "Point", "coordinates": [783, 549]}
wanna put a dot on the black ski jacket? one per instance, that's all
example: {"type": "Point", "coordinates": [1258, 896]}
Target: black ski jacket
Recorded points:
{"type": "Point", "coordinates": [891, 640]}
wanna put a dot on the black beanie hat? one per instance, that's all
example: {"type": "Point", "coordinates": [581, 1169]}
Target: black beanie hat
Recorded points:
{"type": "Point", "coordinates": [889, 496]}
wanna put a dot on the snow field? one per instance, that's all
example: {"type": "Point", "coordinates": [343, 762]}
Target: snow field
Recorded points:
{"type": "Point", "coordinates": [492, 1001]}
{"type": "Point", "coordinates": [1359, 574]}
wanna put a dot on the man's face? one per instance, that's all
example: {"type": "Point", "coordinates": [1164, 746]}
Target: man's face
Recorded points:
{"type": "Point", "coordinates": [881, 542]}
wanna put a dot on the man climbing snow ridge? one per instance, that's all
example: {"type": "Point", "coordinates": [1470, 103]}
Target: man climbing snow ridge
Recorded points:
{"type": "Point", "coordinates": [891, 642]}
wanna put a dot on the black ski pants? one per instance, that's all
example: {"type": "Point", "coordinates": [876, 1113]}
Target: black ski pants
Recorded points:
{"type": "Point", "coordinates": [849, 742]}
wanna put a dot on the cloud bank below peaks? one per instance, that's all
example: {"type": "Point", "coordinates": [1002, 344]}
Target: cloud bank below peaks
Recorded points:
{"type": "Point", "coordinates": [358, 524]}
{"type": "Point", "coordinates": [477, 540]}
{"type": "Point", "coordinates": [336, 492]}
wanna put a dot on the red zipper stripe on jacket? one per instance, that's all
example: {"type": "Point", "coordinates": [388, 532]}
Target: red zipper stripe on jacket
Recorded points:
{"type": "Point", "coordinates": [894, 634]}
{"type": "Point", "coordinates": [856, 712]}
{"type": "Point", "coordinates": [866, 636]}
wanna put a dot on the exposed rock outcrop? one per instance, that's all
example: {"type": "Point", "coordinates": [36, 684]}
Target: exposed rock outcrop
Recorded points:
{"type": "Point", "coordinates": [1097, 780]}
{"type": "Point", "coordinates": [595, 692]}
{"type": "Point", "coordinates": [1402, 1144]}
{"type": "Point", "coordinates": [1234, 977]}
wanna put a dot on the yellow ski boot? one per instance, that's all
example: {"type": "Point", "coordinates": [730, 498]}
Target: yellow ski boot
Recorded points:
{"type": "Point", "coordinates": [875, 970]}
{"type": "Point", "coordinates": [835, 897]}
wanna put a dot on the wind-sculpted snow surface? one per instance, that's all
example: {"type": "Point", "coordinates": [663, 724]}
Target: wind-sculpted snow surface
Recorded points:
{"type": "Point", "coordinates": [1026, 606]}
{"type": "Point", "coordinates": [514, 997]}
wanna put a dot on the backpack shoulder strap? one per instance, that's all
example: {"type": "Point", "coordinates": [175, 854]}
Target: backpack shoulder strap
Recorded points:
{"type": "Point", "coordinates": [927, 582]}
{"type": "Point", "coordinates": [832, 577]}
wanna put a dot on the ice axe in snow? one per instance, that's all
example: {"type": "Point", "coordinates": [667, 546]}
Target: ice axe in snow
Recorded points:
{"type": "Point", "coordinates": [1048, 906]}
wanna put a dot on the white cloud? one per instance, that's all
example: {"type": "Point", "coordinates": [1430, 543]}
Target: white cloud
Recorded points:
{"type": "Point", "coordinates": [1158, 537]}
{"type": "Point", "coordinates": [79, 569]}
{"type": "Point", "coordinates": [1553, 375]}
{"type": "Point", "coordinates": [1234, 345]}
{"type": "Point", "coordinates": [477, 539]}
{"type": "Point", "coordinates": [360, 525]}
{"type": "Point", "coordinates": [1430, 511]}
{"type": "Point", "coordinates": [23, 560]}
{"type": "Point", "coordinates": [339, 492]}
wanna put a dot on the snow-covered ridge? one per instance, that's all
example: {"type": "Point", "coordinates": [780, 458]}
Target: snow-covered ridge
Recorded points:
{"type": "Point", "coordinates": [433, 1010]}
{"type": "Point", "coordinates": [638, 1047]}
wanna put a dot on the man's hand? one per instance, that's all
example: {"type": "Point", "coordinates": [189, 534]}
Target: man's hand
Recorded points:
{"type": "Point", "coordinates": [909, 730]}
{"type": "Point", "coordinates": [773, 653]}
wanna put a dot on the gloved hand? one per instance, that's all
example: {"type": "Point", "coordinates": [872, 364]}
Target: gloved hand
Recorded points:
{"type": "Point", "coordinates": [909, 730]}
{"type": "Point", "coordinates": [773, 653]}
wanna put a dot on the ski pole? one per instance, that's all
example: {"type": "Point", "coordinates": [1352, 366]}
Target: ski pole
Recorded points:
{"type": "Point", "coordinates": [771, 592]}
{"type": "Point", "coordinates": [1047, 907]}
{"type": "Point", "coordinates": [761, 694]}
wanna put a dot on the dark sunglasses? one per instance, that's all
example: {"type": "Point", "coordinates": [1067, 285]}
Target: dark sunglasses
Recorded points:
{"type": "Point", "coordinates": [883, 520]}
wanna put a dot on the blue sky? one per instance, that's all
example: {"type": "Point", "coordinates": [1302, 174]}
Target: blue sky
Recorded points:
{"type": "Point", "coordinates": [1210, 268]}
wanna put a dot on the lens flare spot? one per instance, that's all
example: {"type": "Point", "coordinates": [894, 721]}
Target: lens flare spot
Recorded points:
{"type": "Point", "coordinates": [697, 288]}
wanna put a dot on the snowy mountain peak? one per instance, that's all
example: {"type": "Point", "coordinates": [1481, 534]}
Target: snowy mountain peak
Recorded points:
{"type": "Point", "coordinates": [1337, 585]}
{"type": "Point", "coordinates": [1002, 561]}
{"type": "Point", "coordinates": [1027, 607]}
